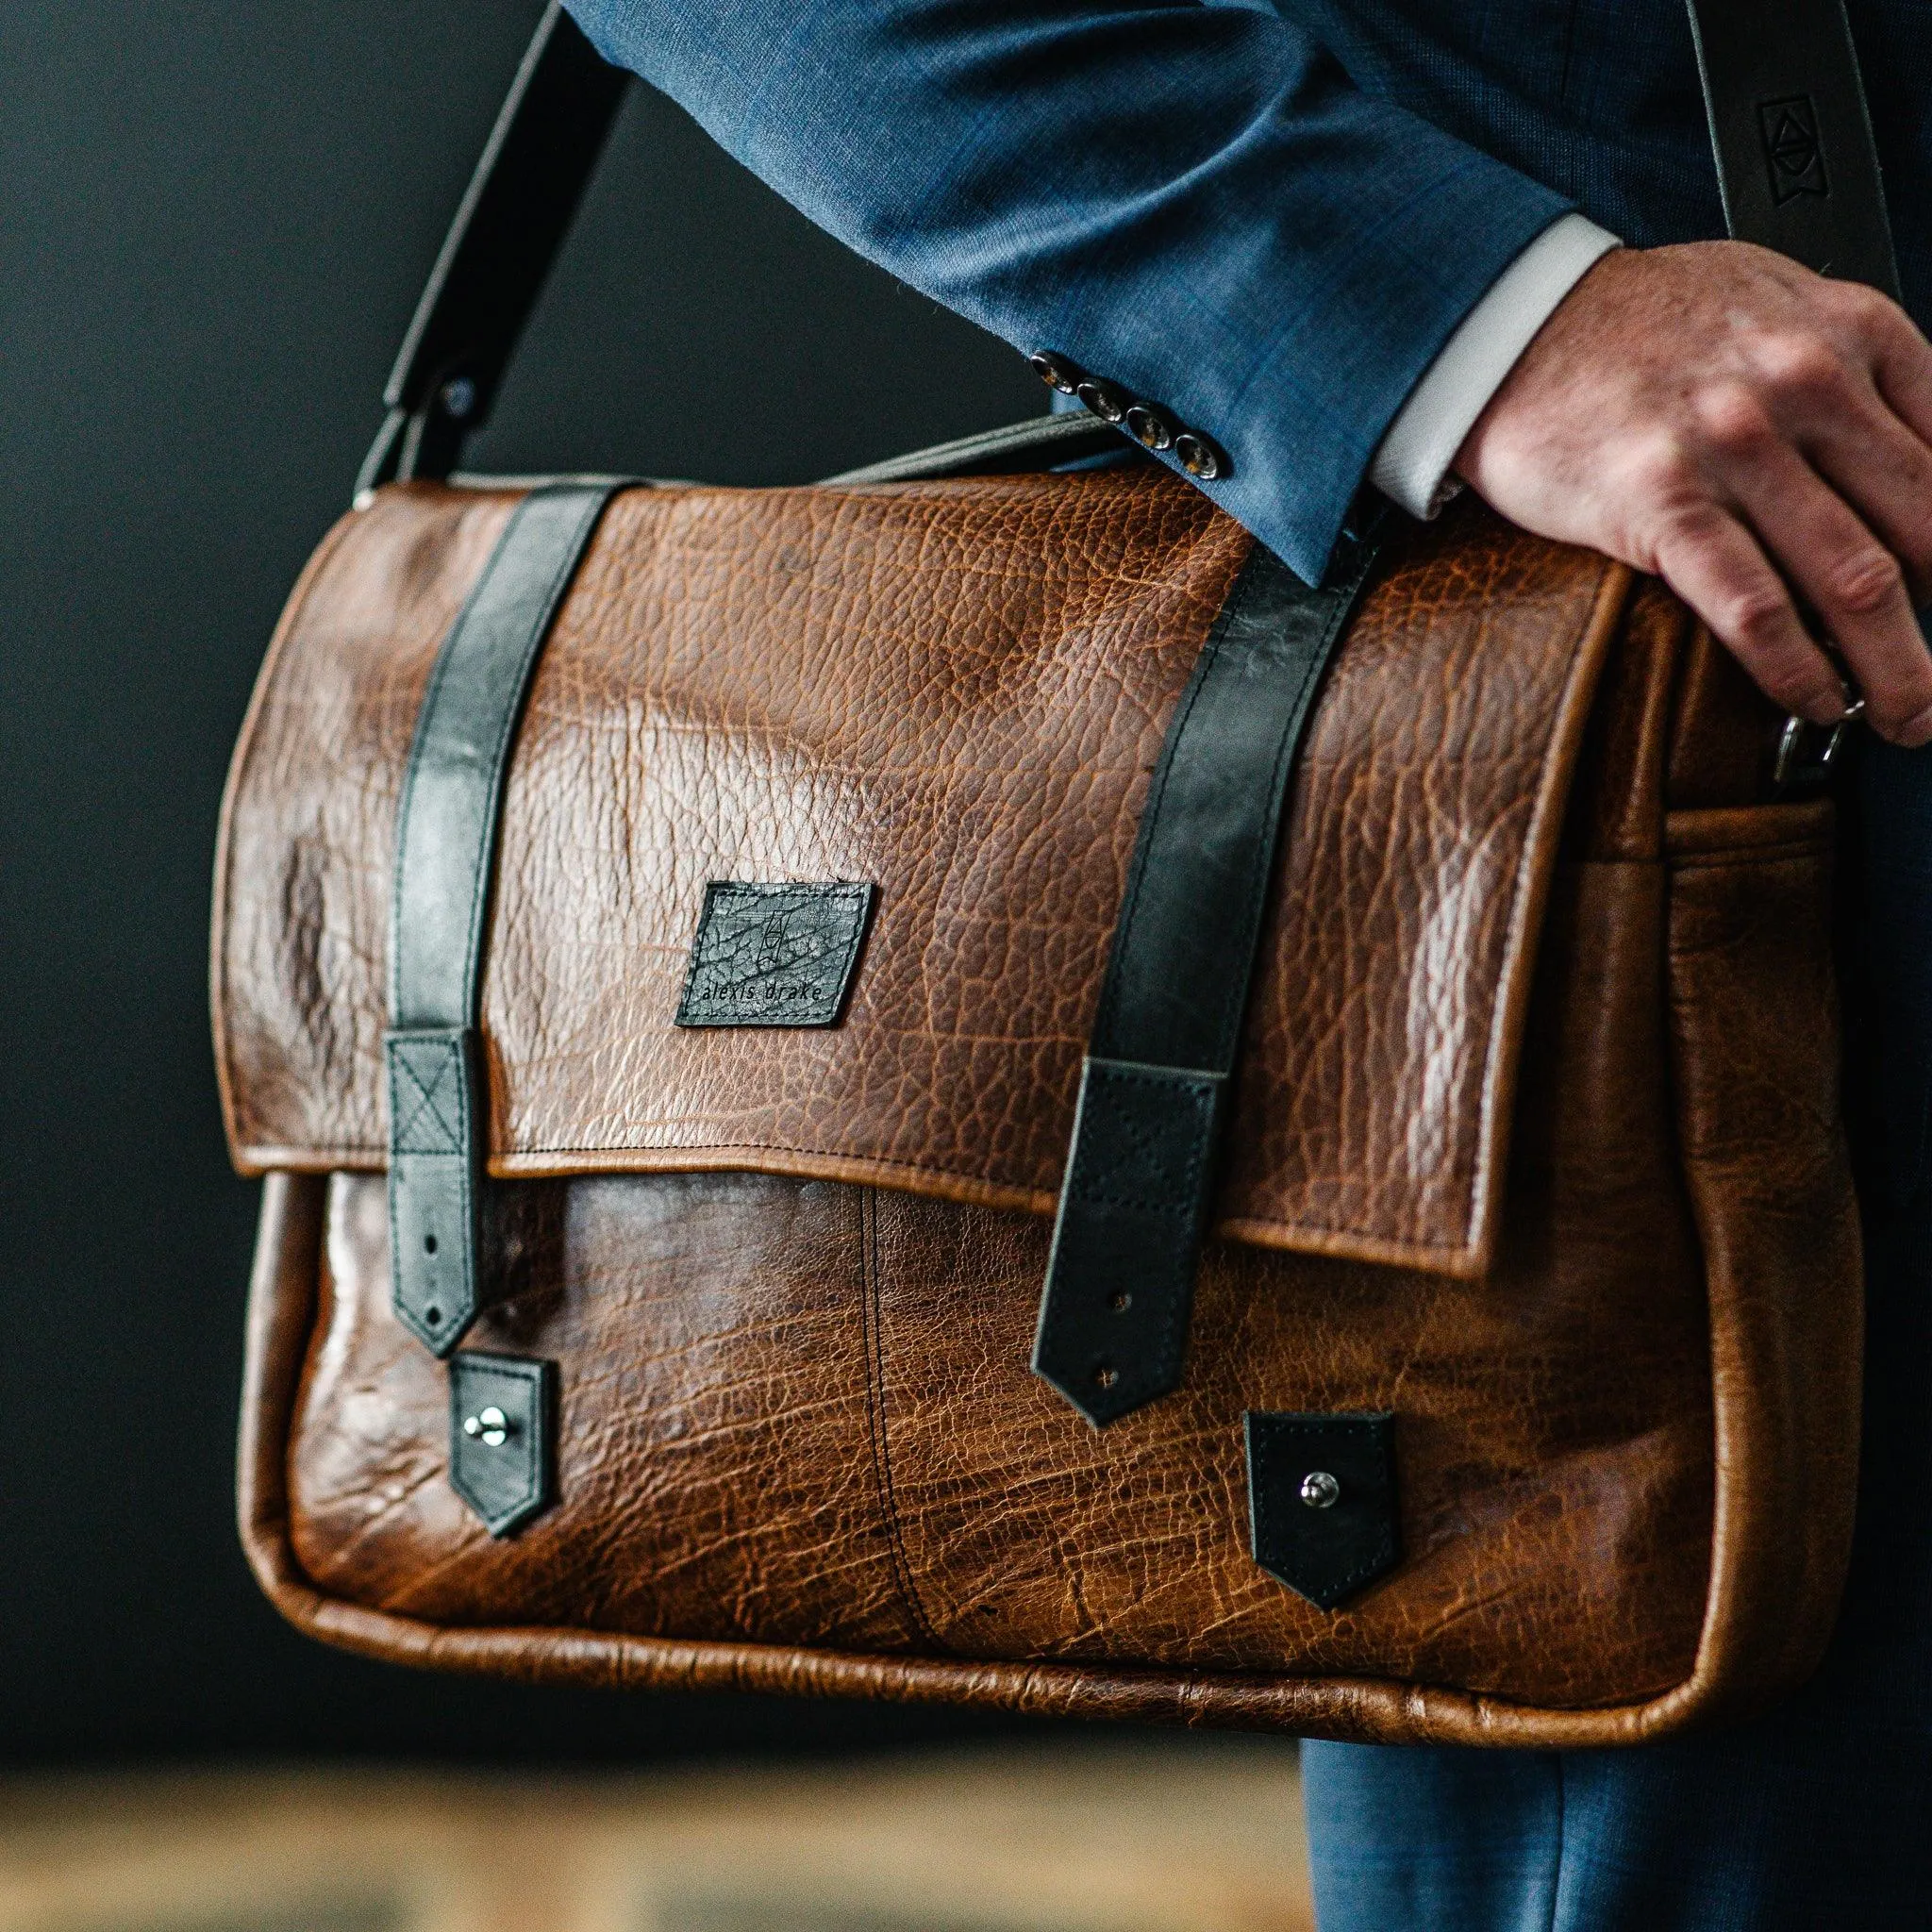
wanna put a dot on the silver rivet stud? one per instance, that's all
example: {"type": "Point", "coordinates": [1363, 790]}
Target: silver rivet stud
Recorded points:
{"type": "Point", "coordinates": [490, 1426]}
{"type": "Point", "coordinates": [1319, 1490]}
{"type": "Point", "coordinates": [459, 397]}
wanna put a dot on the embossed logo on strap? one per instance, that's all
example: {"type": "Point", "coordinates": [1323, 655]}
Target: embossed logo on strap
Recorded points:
{"type": "Point", "coordinates": [775, 954]}
{"type": "Point", "coordinates": [1791, 147]}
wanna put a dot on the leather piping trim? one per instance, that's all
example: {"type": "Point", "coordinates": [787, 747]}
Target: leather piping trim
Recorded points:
{"type": "Point", "coordinates": [283, 1295]}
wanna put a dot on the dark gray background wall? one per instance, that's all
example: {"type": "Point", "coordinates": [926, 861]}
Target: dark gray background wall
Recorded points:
{"type": "Point", "coordinates": [213, 224]}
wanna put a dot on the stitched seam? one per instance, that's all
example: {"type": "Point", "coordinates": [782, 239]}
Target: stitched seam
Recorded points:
{"type": "Point", "coordinates": [1199, 1091]}
{"type": "Point", "coordinates": [426, 1102]}
{"type": "Point", "coordinates": [369, 1149]}
{"type": "Point", "coordinates": [872, 1315]}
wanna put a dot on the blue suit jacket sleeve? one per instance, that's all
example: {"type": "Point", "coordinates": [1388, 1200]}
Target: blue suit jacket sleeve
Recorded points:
{"type": "Point", "coordinates": [1193, 200]}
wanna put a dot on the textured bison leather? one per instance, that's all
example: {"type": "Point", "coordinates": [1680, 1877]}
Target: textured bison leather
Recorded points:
{"type": "Point", "coordinates": [1537, 1140]}
{"type": "Point", "coordinates": [955, 693]}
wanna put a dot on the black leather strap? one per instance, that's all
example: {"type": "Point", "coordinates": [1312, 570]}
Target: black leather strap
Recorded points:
{"type": "Point", "coordinates": [1040, 442]}
{"type": "Point", "coordinates": [445, 848]}
{"type": "Point", "coordinates": [498, 253]}
{"type": "Point", "coordinates": [1135, 1202]}
{"type": "Point", "coordinates": [1793, 136]}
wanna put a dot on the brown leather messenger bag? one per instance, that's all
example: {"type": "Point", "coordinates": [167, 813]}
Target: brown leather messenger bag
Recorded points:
{"type": "Point", "coordinates": [950, 1084]}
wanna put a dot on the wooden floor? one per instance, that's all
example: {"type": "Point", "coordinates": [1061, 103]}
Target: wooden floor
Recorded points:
{"type": "Point", "coordinates": [1202, 1834]}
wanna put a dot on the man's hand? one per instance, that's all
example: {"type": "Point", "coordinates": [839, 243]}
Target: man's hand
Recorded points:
{"type": "Point", "coordinates": [1743, 428]}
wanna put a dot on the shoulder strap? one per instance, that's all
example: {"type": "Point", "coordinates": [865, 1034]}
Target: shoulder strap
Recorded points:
{"type": "Point", "coordinates": [1793, 136]}
{"type": "Point", "coordinates": [497, 255]}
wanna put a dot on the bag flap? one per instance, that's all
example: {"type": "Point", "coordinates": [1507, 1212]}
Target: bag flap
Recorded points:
{"type": "Point", "coordinates": [952, 691]}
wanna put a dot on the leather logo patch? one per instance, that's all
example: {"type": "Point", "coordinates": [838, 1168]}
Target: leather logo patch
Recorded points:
{"type": "Point", "coordinates": [1791, 151]}
{"type": "Point", "coordinates": [775, 956]}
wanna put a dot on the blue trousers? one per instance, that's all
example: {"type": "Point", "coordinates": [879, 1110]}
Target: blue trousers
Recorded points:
{"type": "Point", "coordinates": [1819, 1814]}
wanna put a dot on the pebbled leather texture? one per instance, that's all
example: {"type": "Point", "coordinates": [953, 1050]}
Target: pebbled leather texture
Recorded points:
{"type": "Point", "coordinates": [798, 1444]}
{"type": "Point", "coordinates": [889, 684]}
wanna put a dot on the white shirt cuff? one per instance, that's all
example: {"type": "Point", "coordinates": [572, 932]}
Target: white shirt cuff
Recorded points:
{"type": "Point", "coordinates": [1412, 463]}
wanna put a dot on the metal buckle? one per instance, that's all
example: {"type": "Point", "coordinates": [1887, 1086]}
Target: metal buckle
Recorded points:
{"type": "Point", "coordinates": [1793, 770]}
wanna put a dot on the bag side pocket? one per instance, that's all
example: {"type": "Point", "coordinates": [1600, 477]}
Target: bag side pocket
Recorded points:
{"type": "Point", "coordinates": [1754, 1046]}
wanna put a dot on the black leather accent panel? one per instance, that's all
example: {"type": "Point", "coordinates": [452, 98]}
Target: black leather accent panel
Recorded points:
{"type": "Point", "coordinates": [1321, 1501]}
{"type": "Point", "coordinates": [775, 956]}
{"type": "Point", "coordinates": [445, 851]}
{"type": "Point", "coordinates": [1793, 136]}
{"type": "Point", "coordinates": [502, 1464]}
{"type": "Point", "coordinates": [1113, 1320]}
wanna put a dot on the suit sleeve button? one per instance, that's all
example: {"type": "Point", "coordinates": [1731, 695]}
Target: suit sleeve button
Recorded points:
{"type": "Point", "coordinates": [1106, 400]}
{"type": "Point", "coordinates": [1149, 427]}
{"type": "Point", "coordinates": [1199, 456]}
{"type": "Point", "coordinates": [1056, 371]}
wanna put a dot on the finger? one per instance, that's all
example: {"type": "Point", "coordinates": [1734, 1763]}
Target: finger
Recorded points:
{"type": "Point", "coordinates": [1855, 583]}
{"type": "Point", "coordinates": [1881, 469]}
{"type": "Point", "coordinates": [1901, 358]}
{"type": "Point", "coordinates": [1715, 564]}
